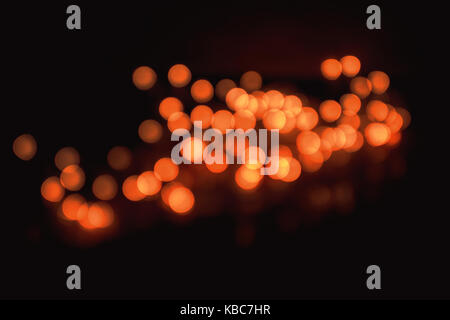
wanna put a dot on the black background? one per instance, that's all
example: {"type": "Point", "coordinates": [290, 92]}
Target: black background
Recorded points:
{"type": "Point", "coordinates": [73, 88]}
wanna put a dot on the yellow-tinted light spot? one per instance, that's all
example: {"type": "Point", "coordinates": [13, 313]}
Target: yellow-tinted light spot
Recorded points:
{"type": "Point", "coordinates": [237, 99]}
{"type": "Point", "coordinates": [377, 134]}
{"type": "Point", "coordinates": [274, 119]}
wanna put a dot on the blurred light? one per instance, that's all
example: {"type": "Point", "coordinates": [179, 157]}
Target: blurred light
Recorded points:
{"type": "Point", "coordinates": [150, 131]}
{"type": "Point", "coordinates": [261, 104]}
{"type": "Point", "coordinates": [251, 81]}
{"type": "Point", "coordinates": [222, 88]}
{"type": "Point", "coordinates": [350, 66]}
{"type": "Point", "coordinates": [377, 134]}
{"type": "Point", "coordinates": [255, 157]}
{"type": "Point", "coordinates": [65, 157]}
{"type": "Point", "coordinates": [71, 206]}
{"type": "Point", "coordinates": [353, 121]}
{"type": "Point", "coordinates": [179, 75]}
{"type": "Point", "coordinates": [223, 120]}
{"type": "Point", "coordinates": [72, 177]}
{"type": "Point", "coordinates": [167, 189]}
{"type": "Point", "coordinates": [274, 99]}
{"type": "Point", "coordinates": [165, 169]}
{"type": "Point", "coordinates": [290, 124]}
{"type": "Point", "coordinates": [181, 200]}
{"type": "Point", "coordinates": [25, 147]}
{"type": "Point", "coordinates": [350, 103]}
{"type": "Point", "coordinates": [377, 110]}
{"type": "Point", "coordinates": [406, 116]}
{"type": "Point", "coordinates": [130, 189]}
{"type": "Point", "coordinates": [274, 119]}
{"type": "Point", "coordinates": [244, 119]}
{"type": "Point", "coordinates": [246, 178]}
{"type": "Point", "coordinates": [179, 120]}
{"type": "Point", "coordinates": [51, 190]}
{"type": "Point", "coordinates": [311, 162]}
{"type": "Point", "coordinates": [380, 81]}
{"type": "Point", "coordinates": [202, 91]}
{"type": "Point", "coordinates": [169, 106]}
{"type": "Point", "coordinates": [308, 142]}
{"type": "Point", "coordinates": [395, 139]}
{"type": "Point", "coordinates": [148, 183]}
{"type": "Point", "coordinates": [104, 187]}
{"type": "Point", "coordinates": [192, 149]}
{"type": "Point", "coordinates": [119, 158]}
{"type": "Point", "coordinates": [293, 104]}
{"type": "Point", "coordinates": [361, 87]}
{"type": "Point", "coordinates": [100, 215]}
{"type": "Point", "coordinates": [350, 135]}
{"type": "Point", "coordinates": [283, 168]}
{"type": "Point", "coordinates": [331, 69]}
{"type": "Point", "coordinates": [394, 121]}
{"type": "Point", "coordinates": [330, 110]}
{"type": "Point", "coordinates": [359, 141]}
{"type": "Point", "coordinates": [217, 167]}
{"type": "Point", "coordinates": [202, 113]}
{"type": "Point", "coordinates": [307, 119]}
{"type": "Point", "coordinates": [144, 78]}
{"type": "Point", "coordinates": [295, 169]}
{"type": "Point", "coordinates": [340, 138]}
{"type": "Point", "coordinates": [237, 99]}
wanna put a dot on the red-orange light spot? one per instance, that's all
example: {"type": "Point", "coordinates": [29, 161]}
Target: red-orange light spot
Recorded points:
{"type": "Point", "coordinates": [51, 190]}
{"type": "Point", "coordinates": [251, 81]}
{"type": "Point", "coordinates": [331, 69]}
{"type": "Point", "coordinates": [350, 103]}
{"type": "Point", "coordinates": [380, 81]}
{"type": "Point", "coordinates": [150, 131]}
{"type": "Point", "coordinates": [330, 110]}
{"type": "Point", "coordinates": [179, 120]}
{"type": "Point", "coordinates": [223, 120]}
{"type": "Point", "coordinates": [350, 66]}
{"type": "Point", "coordinates": [25, 147]}
{"type": "Point", "coordinates": [274, 99]}
{"type": "Point", "coordinates": [307, 119]}
{"type": "Point", "coordinates": [65, 157]}
{"type": "Point", "coordinates": [72, 205]}
{"type": "Point", "coordinates": [72, 178]}
{"type": "Point", "coordinates": [308, 142]}
{"type": "Point", "coordinates": [179, 75]}
{"type": "Point", "coordinates": [181, 200]}
{"type": "Point", "coordinates": [202, 91]}
{"type": "Point", "coordinates": [104, 187]}
{"type": "Point", "coordinates": [119, 158]}
{"type": "Point", "coordinates": [165, 169]}
{"type": "Point", "coordinates": [237, 99]}
{"type": "Point", "coordinates": [377, 134]}
{"type": "Point", "coordinates": [202, 113]}
{"type": "Point", "coordinates": [169, 106]}
{"type": "Point", "coordinates": [144, 78]}
{"type": "Point", "coordinates": [148, 183]}
{"type": "Point", "coordinates": [130, 189]}
{"type": "Point", "coordinates": [244, 119]}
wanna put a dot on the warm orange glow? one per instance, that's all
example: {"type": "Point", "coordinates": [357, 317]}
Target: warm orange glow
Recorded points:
{"type": "Point", "coordinates": [217, 167]}
{"type": "Point", "coordinates": [377, 134]}
{"type": "Point", "coordinates": [283, 168]}
{"type": "Point", "coordinates": [350, 103]}
{"type": "Point", "coordinates": [202, 113]}
{"type": "Point", "coordinates": [25, 147]}
{"type": "Point", "coordinates": [350, 66]}
{"type": "Point", "coordinates": [237, 99]}
{"type": "Point", "coordinates": [181, 200]}
{"type": "Point", "coordinates": [169, 106]}
{"type": "Point", "coordinates": [202, 91]}
{"type": "Point", "coordinates": [394, 120]}
{"type": "Point", "coordinates": [99, 215]}
{"type": "Point", "coordinates": [71, 206]}
{"type": "Point", "coordinates": [179, 75]}
{"type": "Point", "coordinates": [104, 187]}
{"type": "Point", "coordinates": [65, 157]}
{"type": "Point", "coordinates": [330, 110]}
{"type": "Point", "coordinates": [222, 88]}
{"type": "Point", "coordinates": [165, 169]}
{"type": "Point", "coordinates": [144, 78]}
{"type": "Point", "coordinates": [331, 69]}
{"type": "Point", "coordinates": [167, 189]}
{"type": "Point", "coordinates": [295, 169]}
{"type": "Point", "coordinates": [359, 141]}
{"type": "Point", "coordinates": [274, 119]}
{"type": "Point", "coordinates": [244, 119]}
{"type": "Point", "coordinates": [247, 178]}
{"type": "Point", "coordinates": [192, 149]}
{"type": "Point", "coordinates": [72, 178]}
{"type": "Point", "coordinates": [251, 81]}
{"type": "Point", "coordinates": [311, 162]}
{"type": "Point", "coordinates": [328, 135]}
{"type": "Point", "coordinates": [341, 139]}
{"type": "Point", "coordinates": [395, 139]}
{"type": "Point", "coordinates": [377, 110]}
{"type": "Point", "coordinates": [274, 99]}
{"type": "Point", "coordinates": [255, 157]}
{"type": "Point", "coordinates": [406, 116]}
{"type": "Point", "coordinates": [52, 190]}
{"type": "Point", "coordinates": [223, 120]}
{"type": "Point", "coordinates": [353, 121]}
{"type": "Point", "coordinates": [307, 119]}
{"type": "Point", "coordinates": [380, 81]}
{"type": "Point", "coordinates": [262, 106]}
{"type": "Point", "coordinates": [179, 120]}
{"type": "Point", "coordinates": [252, 105]}
{"type": "Point", "coordinates": [150, 131]}
{"type": "Point", "coordinates": [361, 87]}
{"type": "Point", "coordinates": [350, 135]}
{"type": "Point", "coordinates": [119, 158]}
{"type": "Point", "coordinates": [290, 124]}
{"type": "Point", "coordinates": [293, 104]}
{"type": "Point", "coordinates": [130, 189]}
{"type": "Point", "coordinates": [148, 183]}
{"type": "Point", "coordinates": [308, 142]}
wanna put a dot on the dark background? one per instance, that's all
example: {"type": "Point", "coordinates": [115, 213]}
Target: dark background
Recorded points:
{"type": "Point", "coordinates": [73, 88]}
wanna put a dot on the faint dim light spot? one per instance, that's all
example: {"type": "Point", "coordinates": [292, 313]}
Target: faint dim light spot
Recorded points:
{"type": "Point", "coordinates": [350, 66]}
{"type": "Point", "coordinates": [377, 134]}
{"type": "Point", "coordinates": [148, 183]}
{"type": "Point", "coordinates": [144, 78]}
{"type": "Point", "coordinates": [307, 119]}
{"type": "Point", "coordinates": [222, 88]}
{"type": "Point", "coordinates": [66, 157]}
{"type": "Point", "coordinates": [181, 200]}
{"type": "Point", "coordinates": [237, 99]}
{"type": "Point", "coordinates": [308, 142]}
{"type": "Point", "coordinates": [244, 119]}
{"type": "Point", "coordinates": [359, 142]}
{"type": "Point", "coordinates": [331, 69]}
{"type": "Point", "coordinates": [246, 178]}
{"type": "Point", "coordinates": [293, 104]}
{"type": "Point", "coordinates": [202, 113]}
{"type": "Point", "coordinates": [361, 87]}
{"type": "Point", "coordinates": [395, 139]}
{"type": "Point", "coordinates": [223, 120]}
{"type": "Point", "coordinates": [295, 169]}
{"type": "Point", "coordinates": [274, 119]}
{"type": "Point", "coordinates": [394, 121]}
{"type": "Point", "coordinates": [202, 91]}
{"type": "Point", "coordinates": [71, 206]}
{"type": "Point", "coordinates": [100, 215]}
{"type": "Point", "coordinates": [179, 75]}
{"type": "Point", "coordinates": [274, 99]}
{"type": "Point", "coordinates": [406, 116]}
{"type": "Point", "coordinates": [150, 131]}
{"type": "Point", "coordinates": [380, 81]}
{"type": "Point", "coordinates": [330, 110]}
{"type": "Point", "coordinates": [130, 189]}
{"type": "Point", "coordinates": [179, 120]}
{"type": "Point", "coordinates": [311, 162]}
{"type": "Point", "coordinates": [377, 110]}
{"type": "Point", "coordinates": [25, 147]}
{"type": "Point", "coordinates": [169, 106]}
{"type": "Point", "coordinates": [51, 190]}
{"type": "Point", "coordinates": [104, 187]}
{"type": "Point", "coordinates": [251, 81]}
{"type": "Point", "coordinates": [119, 158]}
{"type": "Point", "coordinates": [192, 149]}
{"type": "Point", "coordinates": [165, 169]}
{"type": "Point", "coordinates": [350, 103]}
{"type": "Point", "coordinates": [72, 177]}
{"type": "Point", "coordinates": [262, 106]}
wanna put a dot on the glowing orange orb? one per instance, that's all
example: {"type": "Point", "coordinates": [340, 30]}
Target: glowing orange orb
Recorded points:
{"type": "Point", "coordinates": [169, 106]}
{"type": "Point", "coordinates": [144, 78]}
{"type": "Point", "coordinates": [377, 134]}
{"type": "Point", "coordinates": [380, 81]}
{"type": "Point", "coordinates": [72, 178]}
{"type": "Point", "coordinates": [202, 113]}
{"type": "Point", "coordinates": [179, 75]}
{"type": "Point", "coordinates": [148, 183]}
{"type": "Point", "coordinates": [308, 142]}
{"type": "Point", "coordinates": [25, 147]}
{"type": "Point", "coordinates": [223, 120]}
{"type": "Point", "coordinates": [52, 190]}
{"type": "Point", "coordinates": [104, 187]}
{"type": "Point", "coordinates": [350, 66]}
{"type": "Point", "coordinates": [331, 69]}
{"type": "Point", "coordinates": [165, 169]}
{"type": "Point", "coordinates": [202, 91]}
{"type": "Point", "coordinates": [330, 110]}
{"type": "Point", "coordinates": [181, 200]}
